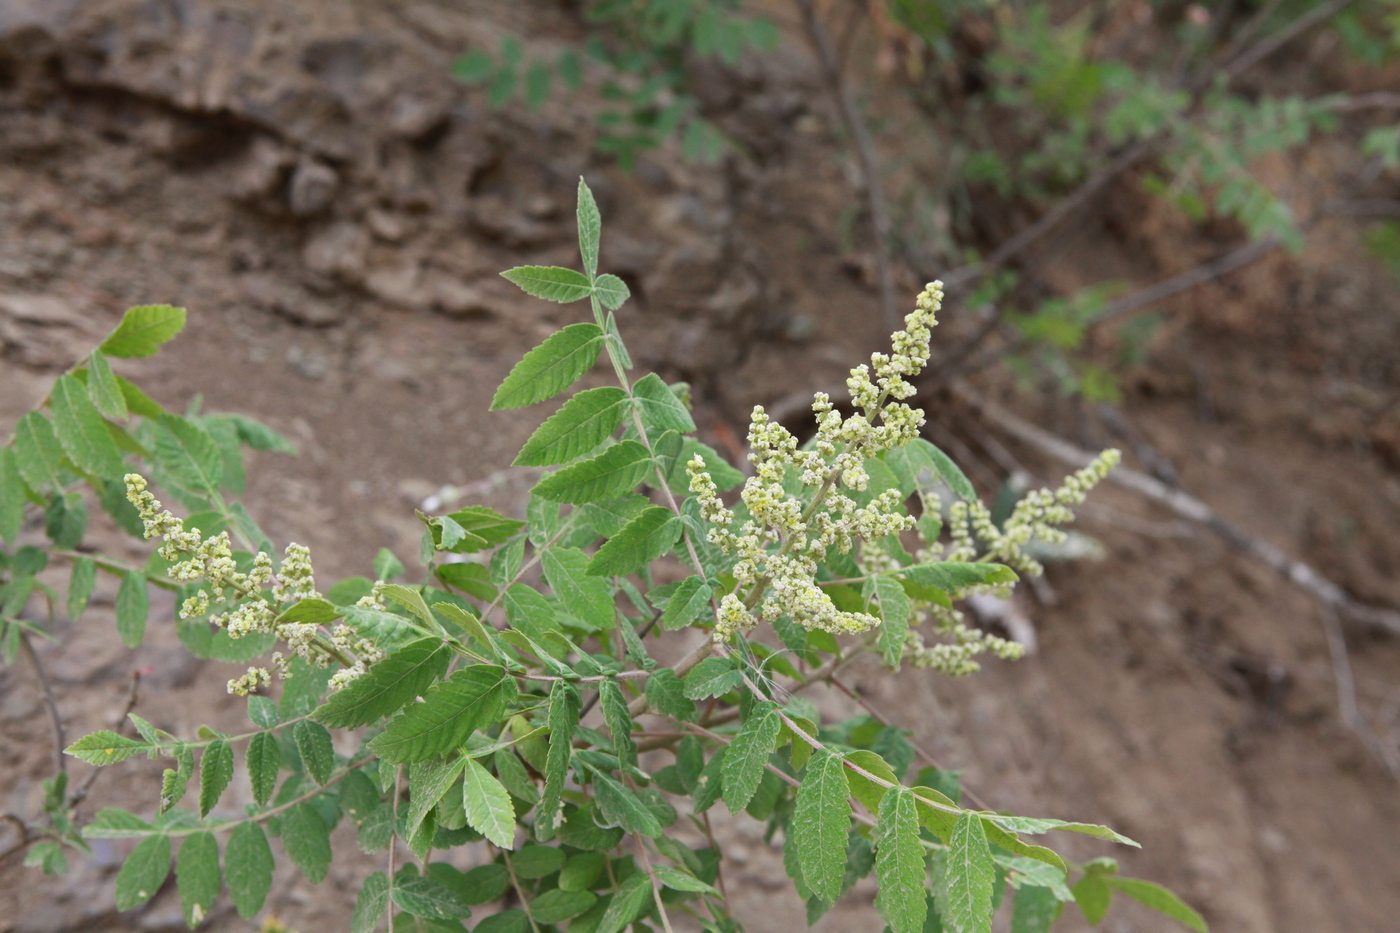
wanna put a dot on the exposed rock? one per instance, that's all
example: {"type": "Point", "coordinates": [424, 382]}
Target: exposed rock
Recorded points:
{"type": "Point", "coordinates": [272, 294]}
{"type": "Point", "coordinates": [313, 185]}
{"type": "Point", "coordinates": [337, 251]}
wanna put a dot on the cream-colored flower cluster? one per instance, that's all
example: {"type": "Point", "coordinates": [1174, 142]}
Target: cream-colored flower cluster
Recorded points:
{"type": "Point", "coordinates": [1035, 518]}
{"type": "Point", "coordinates": [961, 645]}
{"type": "Point", "coordinates": [780, 547]}
{"type": "Point", "coordinates": [211, 560]}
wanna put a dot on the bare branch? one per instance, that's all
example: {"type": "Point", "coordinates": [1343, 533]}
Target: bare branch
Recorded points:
{"type": "Point", "coordinates": [1269, 46]}
{"type": "Point", "coordinates": [60, 765]}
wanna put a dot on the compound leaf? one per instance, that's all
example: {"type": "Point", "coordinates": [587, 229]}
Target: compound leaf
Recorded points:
{"type": "Point", "coordinates": [551, 367]}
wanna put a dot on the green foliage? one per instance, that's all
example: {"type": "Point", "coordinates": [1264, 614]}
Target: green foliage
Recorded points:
{"type": "Point", "coordinates": [467, 732]}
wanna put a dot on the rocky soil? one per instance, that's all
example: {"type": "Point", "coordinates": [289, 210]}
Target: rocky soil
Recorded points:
{"type": "Point", "coordinates": [333, 209]}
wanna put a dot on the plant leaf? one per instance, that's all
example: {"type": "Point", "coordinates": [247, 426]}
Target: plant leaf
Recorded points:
{"type": "Point", "coordinates": [551, 367]}
{"type": "Point", "coordinates": [559, 905]}
{"type": "Point", "coordinates": [317, 752]}
{"type": "Point", "coordinates": [666, 694]}
{"type": "Point", "coordinates": [920, 456]}
{"type": "Point", "coordinates": [82, 431]}
{"type": "Point", "coordinates": [562, 719]}
{"type": "Point", "coordinates": [1034, 910]}
{"type": "Point", "coordinates": [143, 872]}
{"type": "Point", "coordinates": [612, 473]}
{"type": "Point", "coordinates": [628, 903]}
{"type": "Point", "coordinates": [899, 864]}
{"type": "Point", "coordinates": [197, 876]}
{"type": "Point", "coordinates": [748, 753]}
{"type": "Point", "coordinates": [38, 454]}
{"type": "Point", "coordinates": [590, 226]}
{"type": "Point", "coordinates": [581, 424]}
{"type": "Point", "coordinates": [588, 598]}
{"type": "Point", "coordinates": [969, 876]}
{"type": "Point", "coordinates": [388, 686]}
{"type": "Point", "coordinates": [621, 807]}
{"type": "Point", "coordinates": [642, 540]}
{"type": "Point", "coordinates": [660, 408]}
{"type": "Point", "coordinates": [429, 899]}
{"type": "Point", "coordinates": [248, 868]}
{"type": "Point", "coordinates": [820, 821]}
{"type": "Point", "coordinates": [143, 329]}
{"type": "Point", "coordinates": [189, 456]}
{"type": "Point", "coordinates": [103, 389]}
{"type": "Point", "coordinates": [307, 841]}
{"type": "Point", "coordinates": [371, 903]}
{"type": "Point", "coordinates": [611, 291]}
{"type": "Point", "coordinates": [1159, 899]}
{"type": "Point", "coordinates": [712, 677]}
{"type": "Point", "coordinates": [894, 615]}
{"type": "Point", "coordinates": [619, 720]}
{"type": "Point", "coordinates": [552, 283]}
{"type": "Point", "coordinates": [452, 710]}
{"type": "Point", "coordinates": [11, 496]}
{"type": "Point", "coordinates": [488, 806]}
{"type": "Point", "coordinates": [80, 586]}
{"type": "Point", "coordinates": [215, 771]}
{"type": "Point", "coordinates": [264, 758]}
{"type": "Point", "coordinates": [428, 782]}
{"type": "Point", "coordinates": [689, 601]}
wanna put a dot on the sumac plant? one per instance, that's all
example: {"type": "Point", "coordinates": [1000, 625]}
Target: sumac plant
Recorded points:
{"type": "Point", "coordinates": [509, 701]}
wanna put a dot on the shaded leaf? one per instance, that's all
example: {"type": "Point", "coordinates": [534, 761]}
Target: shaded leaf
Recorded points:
{"type": "Point", "coordinates": [317, 753]}
{"type": "Point", "coordinates": [424, 897]}
{"type": "Point", "coordinates": [188, 455]}
{"type": "Point", "coordinates": [619, 806]}
{"type": "Point", "coordinates": [144, 872]}
{"type": "Point", "coordinates": [197, 876]}
{"type": "Point", "coordinates": [82, 431]}
{"type": "Point", "coordinates": [370, 904]}
{"type": "Point", "coordinates": [307, 841]}
{"type": "Point", "coordinates": [899, 864]}
{"type": "Point", "coordinates": [643, 540]}
{"type": "Point", "coordinates": [551, 367]}
{"type": "Point", "coordinates": [38, 454]}
{"type": "Point", "coordinates": [820, 821]}
{"type": "Point", "coordinates": [562, 718]}
{"type": "Point", "coordinates": [628, 903]}
{"type": "Point", "coordinates": [588, 598]}
{"type": "Point", "coordinates": [488, 806]}
{"type": "Point", "coordinates": [660, 408]}
{"type": "Point", "coordinates": [689, 601]}
{"type": "Point", "coordinates": [1159, 899]}
{"type": "Point", "coordinates": [264, 758]}
{"type": "Point", "coordinates": [215, 771]}
{"type": "Point", "coordinates": [748, 753]}
{"type": "Point", "coordinates": [248, 868]}
{"type": "Point", "coordinates": [104, 391]}
{"type": "Point", "coordinates": [388, 686]}
{"type": "Point", "coordinates": [428, 782]}
{"type": "Point", "coordinates": [451, 711]}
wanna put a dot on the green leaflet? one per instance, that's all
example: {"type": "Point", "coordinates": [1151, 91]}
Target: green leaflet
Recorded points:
{"type": "Point", "coordinates": [869, 792]}
{"type": "Point", "coordinates": [1034, 910]}
{"type": "Point", "coordinates": [969, 876]}
{"type": "Point", "coordinates": [552, 283]}
{"type": "Point", "coordinates": [1158, 898]}
{"type": "Point", "coordinates": [1028, 824]}
{"type": "Point", "coordinates": [619, 721]}
{"type": "Point", "coordinates": [677, 880]}
{"type": "Point", "coordinates": [899, 863]}
{"type": "Point", "coordinates": [630, 901]}
{"type": "Point", "coordinates": [1012, 843]}
{"type": "Point", "coordinates": [666, 694]}
{"type": "Point", "coordinates": [80, 586]}
{"type": "Point", "coordinates": [189, 456]}
{"type": "Point", "coordinates": [38, 455]}
{"type": "Point", "coordinates": [371, 903]}
{"type": "Point", "coordinates": [712, 677]}
{"type": "Point", "coordinates": [562, 719]}
{"type": "Point", "coordinates": [619, 806]}
{"type": "Point", "coordinates": [748, 753]}
{"type": "Point", "coordinates": [511, 772]}
{"type": "Point", "coordinates": [1093, 895]}
{"type": "Point", "coordinates": [429, 899]}
{"type": "Point", "coordinates": [197, 876]}
{"type": "Point", "coordinates": [551, 367]}
{"type": "Point", "coordinates": [111, 823]}
{"type": "Point", "coordinates": [451, 711]}
{"type": "Point", "coordinates": [584, 422]}
{"type": "Point", "coordinates": [615, 471]}
{"type": "Point", "coordinates": [472, 579]}
{"type": "Point", "coordinates": [590, 227]}
{"type": "Point", "coordinates": [387, 686]}
{"type": "Point", "coordinates": [138, 402]}
{"type": "Point", "coordinates": [488, 806]}
{"type": "Point", "coordinates": [528, 611]}
{"type": "Point", "coordinates": [410, 599]}
{"type": "Point", "coordinates": [386, 565]}
{"type": "Point", "coordinates": [611, 291]}
{"type": "Point", "coordinates": [689, 601]}
{"type": "Point", "coordinates": [428, 782]}
{"type": "Point", "coordinates": [536, 861]}
{"type": "Point", "coordinates": [317, 753]}
{"type": "Point", "coordinates": [143, 872]}
{"type": "Point", "coordinates": [820, 820]}
{"type": "Point", "coordinates": [11, 496]}
{"type": "Point", "coordinates": [588, 598]}
{"type": "Point", "coordinates": [143, 329]}
{"type": "Point", "coordinates": [264, 758]}
{"type": "Point", "coordinates": [215, 771]}
{"type": "Point", "coordinates": [307, 841]}
{"type": "Point", "coordinates": [644, 539]}
{"type": "Point", "coordinates": [82, 431]}
{"type": "Point", "coordinates": [248, 868]}
{"type": "Point", "coordinates": [104, 391]}
{"type": "Point", "coordinates": [919, 457]}
{"type": "Point", "coordinates": [659, 407]}
{"type": "Point", "coordinates": [311, 610]}
{"type": "Point", "coordinates": [894, 615]}
{"type": "Point", "coordinates": [559, 905]}
{"type": "Point", "coordinates": [956, 576]}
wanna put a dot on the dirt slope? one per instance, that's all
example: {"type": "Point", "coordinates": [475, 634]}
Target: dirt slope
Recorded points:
{"type": "Point", "coordinates": [308, 180]}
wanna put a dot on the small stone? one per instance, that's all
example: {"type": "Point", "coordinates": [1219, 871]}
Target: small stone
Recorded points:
{"type": "Point", "coordinates": [337, 250]}
{"type": "Point", "coordinates": [313, 186]}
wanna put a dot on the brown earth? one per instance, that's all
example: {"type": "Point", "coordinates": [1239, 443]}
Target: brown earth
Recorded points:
{"type": "Point", "coordinates": [308, 180]}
